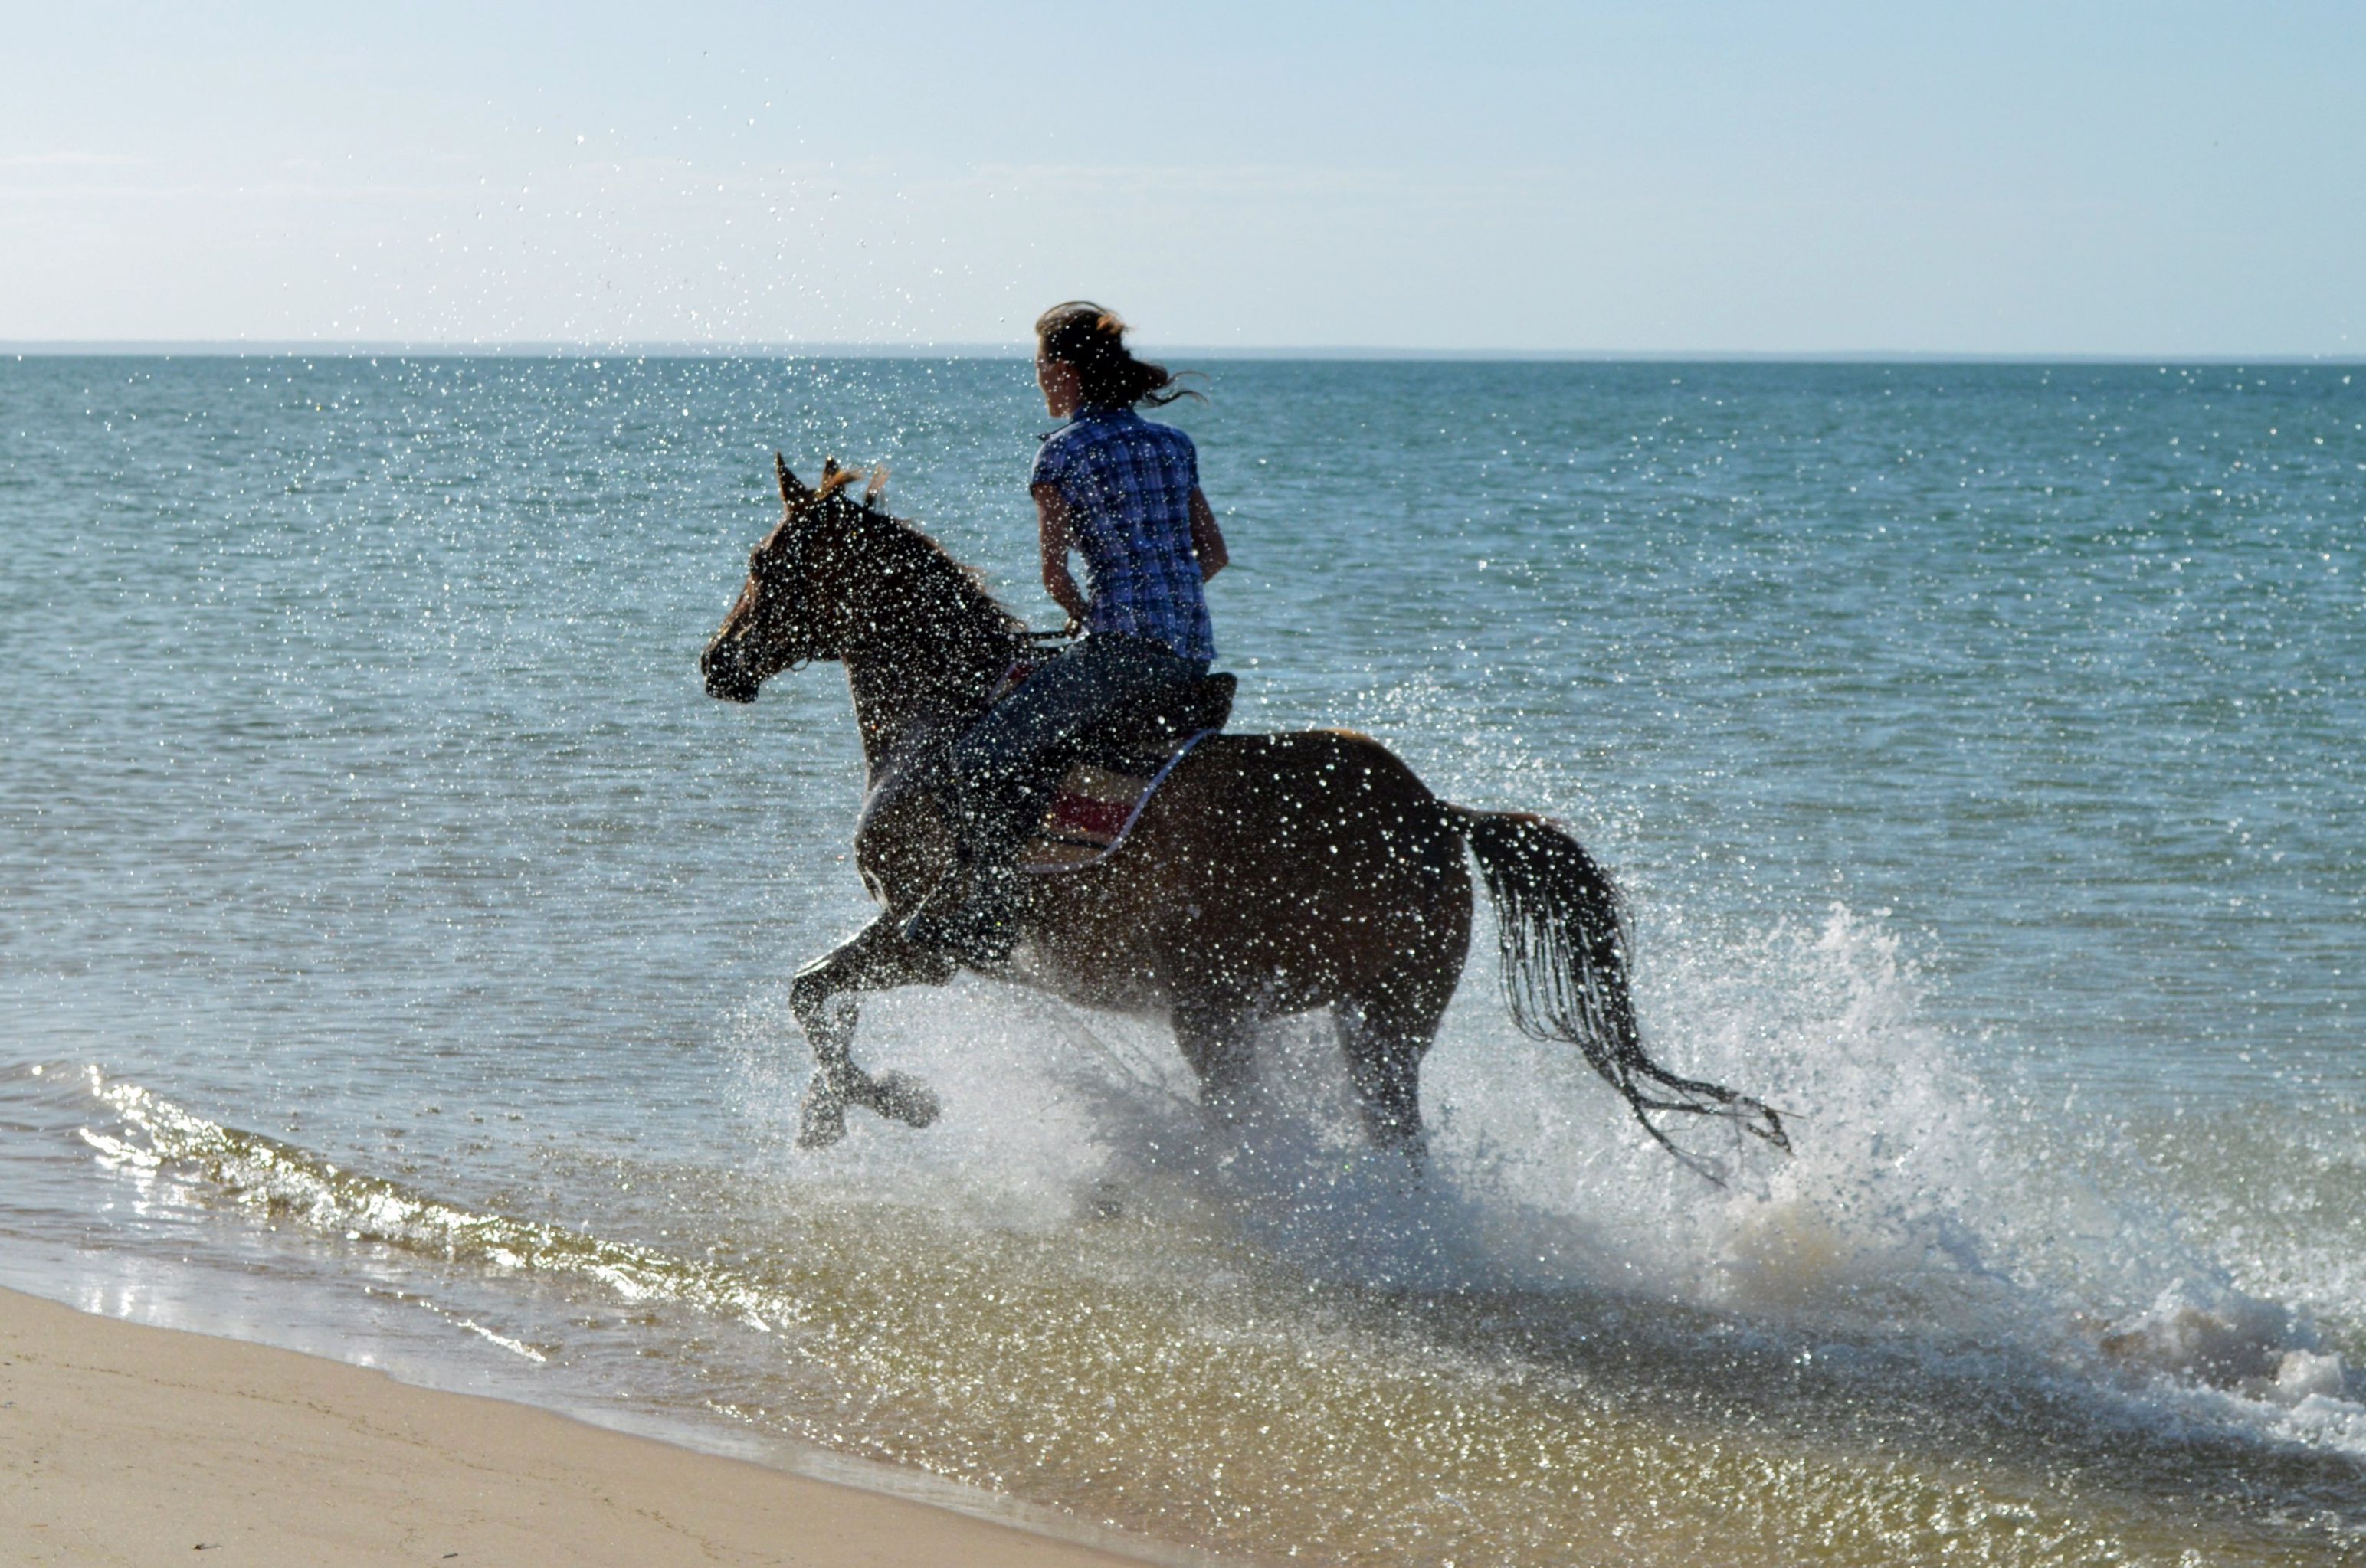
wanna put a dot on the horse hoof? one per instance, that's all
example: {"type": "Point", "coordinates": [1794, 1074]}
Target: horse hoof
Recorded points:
{"type": "Point", "coordinates": [823, 1120]}
{"type": "Point", "coordinates": [903, 1099]}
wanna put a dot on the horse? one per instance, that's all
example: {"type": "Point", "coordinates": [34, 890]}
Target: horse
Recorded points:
{"type": "Point", "coordinates": [1270, 874]}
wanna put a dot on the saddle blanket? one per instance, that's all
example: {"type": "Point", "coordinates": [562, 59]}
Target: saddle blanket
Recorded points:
{"type": "Point", "coordinates": [1095, 808]}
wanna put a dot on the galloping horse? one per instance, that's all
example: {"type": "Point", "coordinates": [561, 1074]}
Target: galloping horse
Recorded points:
{"type": "Point", "coordinates": [1269, 874]}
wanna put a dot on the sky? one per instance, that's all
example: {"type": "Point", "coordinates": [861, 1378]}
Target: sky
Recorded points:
{"type": "Point", "coordinates": [2148, 180]}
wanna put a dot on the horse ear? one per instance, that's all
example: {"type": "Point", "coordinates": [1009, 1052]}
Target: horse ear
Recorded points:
{"type": "Point", "coordinates": [792, 492]}
{"type": "Point", "coordinates": [878, 487]}
{"type": "Point", "coordinates": [828, 471]}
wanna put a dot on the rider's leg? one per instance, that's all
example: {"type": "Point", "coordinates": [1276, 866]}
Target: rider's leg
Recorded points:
{"type": "Point", "coordinates": [999, 777]}
{"type": "Point", "coordinates": [995, 761]}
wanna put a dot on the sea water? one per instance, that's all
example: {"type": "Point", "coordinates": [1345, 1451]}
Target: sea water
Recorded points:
{"type": "Point", "coordinates": [394, 947]}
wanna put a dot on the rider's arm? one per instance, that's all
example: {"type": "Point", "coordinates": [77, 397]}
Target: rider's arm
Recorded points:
{"type": "Point", "coordinates": [1207, 539]}
{"type": "Point", "coordinates": [1051, 514]}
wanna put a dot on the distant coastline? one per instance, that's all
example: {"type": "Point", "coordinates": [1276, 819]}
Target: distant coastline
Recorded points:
{"type": "Point", "coordinates": [296, 349]}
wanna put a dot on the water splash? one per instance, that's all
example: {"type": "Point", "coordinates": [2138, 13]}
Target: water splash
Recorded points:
{"type": "Point", "coordinates": [1083, 1288]}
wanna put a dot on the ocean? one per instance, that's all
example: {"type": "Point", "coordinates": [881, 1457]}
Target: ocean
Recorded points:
{"type": "Point", "coordinates": [394, 944]}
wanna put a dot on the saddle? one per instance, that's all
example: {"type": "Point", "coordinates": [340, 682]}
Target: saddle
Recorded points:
{"type": "Point", "coordinates": [1115, 771]}
{"type": "Point", "coordinates": [1138, 731]}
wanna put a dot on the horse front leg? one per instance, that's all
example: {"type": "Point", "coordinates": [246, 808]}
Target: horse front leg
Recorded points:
{"type": "Point", "coordinates": [822, 998]}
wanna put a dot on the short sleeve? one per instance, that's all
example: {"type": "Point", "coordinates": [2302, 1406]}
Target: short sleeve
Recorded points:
{"type": "Point", "coordinates": [1052, 462]}
{"type": "Point", "coordinates": [1191, 460]}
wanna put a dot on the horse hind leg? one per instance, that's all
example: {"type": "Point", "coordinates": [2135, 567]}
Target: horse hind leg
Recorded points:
{"type": "Point", "coordinates": [1215, 1038]}
{"type": "Point", "coordinates": [1383, 1036]}
{"type": "Point", "coordinates": [822, 1000]}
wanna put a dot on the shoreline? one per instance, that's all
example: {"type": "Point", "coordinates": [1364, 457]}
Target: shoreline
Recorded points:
{"type": "Point", "coordinates": [123, 1442]}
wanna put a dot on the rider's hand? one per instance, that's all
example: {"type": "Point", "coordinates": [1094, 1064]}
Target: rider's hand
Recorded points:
{"type": "Point", "coordinates": [1073, 628]}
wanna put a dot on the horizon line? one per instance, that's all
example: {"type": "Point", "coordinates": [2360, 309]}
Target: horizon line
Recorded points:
{"type": "Point", "coordinates": [292, 348]}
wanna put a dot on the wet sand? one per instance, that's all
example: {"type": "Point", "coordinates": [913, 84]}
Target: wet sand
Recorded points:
{"type": "Point", "coordinates": [124, 1444]}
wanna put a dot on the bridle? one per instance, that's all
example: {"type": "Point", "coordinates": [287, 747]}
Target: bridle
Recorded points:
{"type": "Point", "coordinates": [778, 570]}
{"type": "Point", "coordinates": [779, 574]}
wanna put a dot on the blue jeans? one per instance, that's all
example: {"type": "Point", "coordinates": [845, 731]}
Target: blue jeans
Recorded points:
{"type": "Point", "coordinates": [1004, 765]}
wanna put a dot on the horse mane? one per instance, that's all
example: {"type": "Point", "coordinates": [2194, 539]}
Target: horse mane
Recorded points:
{"type": "Point", "coordinates": [898, 545]}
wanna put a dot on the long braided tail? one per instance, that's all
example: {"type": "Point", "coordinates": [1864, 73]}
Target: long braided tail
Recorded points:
{"type": "Point", "coordinates": [1563, 932]}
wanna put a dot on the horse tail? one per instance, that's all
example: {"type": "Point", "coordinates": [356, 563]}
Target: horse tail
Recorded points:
{"type": "Point", "coordinates": [1563, 928]}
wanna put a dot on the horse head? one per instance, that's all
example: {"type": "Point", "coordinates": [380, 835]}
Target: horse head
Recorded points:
{"type": "Point", "coordinates": [792, 608]}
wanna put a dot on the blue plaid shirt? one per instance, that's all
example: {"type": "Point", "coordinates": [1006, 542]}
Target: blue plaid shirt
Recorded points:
{"type": "Point", "coordinates": [1128, 483]}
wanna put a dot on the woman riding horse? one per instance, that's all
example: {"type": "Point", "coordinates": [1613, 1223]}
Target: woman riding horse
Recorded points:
{"type": "Point", "coordinates": [1269, 874]}
{"type": "Point", "coordinates": [1125, 494]}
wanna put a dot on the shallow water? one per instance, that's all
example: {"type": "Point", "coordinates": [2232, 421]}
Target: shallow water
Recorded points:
{"type": "Point", "coordinates": [394, 947]}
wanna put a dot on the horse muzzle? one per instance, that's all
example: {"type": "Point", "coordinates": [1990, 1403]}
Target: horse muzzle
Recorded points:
{"type": "Point", "coordinates": [728, 677]}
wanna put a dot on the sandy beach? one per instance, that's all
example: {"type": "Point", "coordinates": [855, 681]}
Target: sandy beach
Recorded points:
{"type": "Point", "coordinates": [125, 1444]}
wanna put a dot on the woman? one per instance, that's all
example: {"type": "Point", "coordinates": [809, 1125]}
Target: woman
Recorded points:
{"type": "Point", "coordinates": [1124, 493]}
